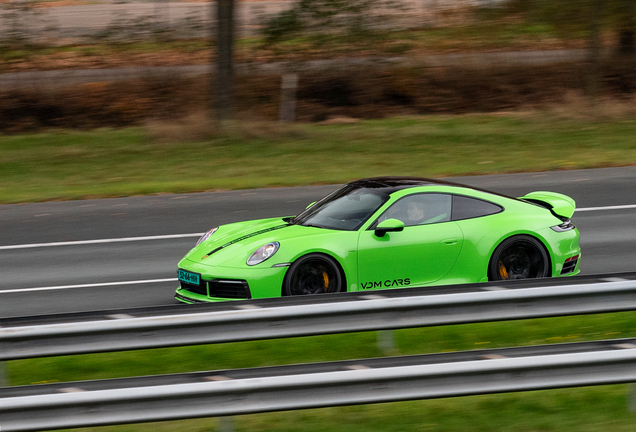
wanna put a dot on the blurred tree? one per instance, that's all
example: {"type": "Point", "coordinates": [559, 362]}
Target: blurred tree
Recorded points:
{"type": "Point", "coordinates": [325, 17]}
{"type": "Point", "coordinates": [595, 46]}
{"type": "Point", "coordinates": [225, 67]}
{"type": "Point", "coordinates": [625, 11]}
{"type": "Point", "coordinates": [573, 18]}
{"type": "Point", "coordinates": [587, 18]}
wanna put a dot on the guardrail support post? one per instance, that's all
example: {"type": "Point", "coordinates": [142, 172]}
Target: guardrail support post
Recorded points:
{"type": "Point", "coordinates": [631, 397]}
{"type": "Point", "coordinates": [386, 342]}
{"type": "Point", "coordinates": [226, 424]}
{"type": "Point", "coordinates": [4, 379]}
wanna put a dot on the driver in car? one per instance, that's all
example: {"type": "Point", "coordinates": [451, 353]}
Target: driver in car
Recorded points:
{"type": "Point", "coordinates": [415, 213]}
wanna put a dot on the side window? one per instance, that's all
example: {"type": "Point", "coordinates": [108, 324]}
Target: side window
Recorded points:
{"type": "Point", "coordinates": [467, 208]}
{"type": "Point", "coordinates": [420, 209]}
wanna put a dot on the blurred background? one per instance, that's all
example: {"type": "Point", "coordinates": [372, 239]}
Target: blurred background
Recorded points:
{"type": "Point", "coordinates": [89, 63]}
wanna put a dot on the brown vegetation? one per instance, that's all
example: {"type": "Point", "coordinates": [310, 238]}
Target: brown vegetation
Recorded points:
{"type": "Point", "coordinates": [369, 93]}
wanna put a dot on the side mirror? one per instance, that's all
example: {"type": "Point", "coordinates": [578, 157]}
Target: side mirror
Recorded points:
{"type": "Point", "coordinates": [389, 225]}
{"type": "Point", "coordinates": [310, 205]}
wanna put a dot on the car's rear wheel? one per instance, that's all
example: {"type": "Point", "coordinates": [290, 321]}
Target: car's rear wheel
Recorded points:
{"type": "Point", "coordinates": [519, 257]}
{"type": "Point", "coordinates": [313, 274]}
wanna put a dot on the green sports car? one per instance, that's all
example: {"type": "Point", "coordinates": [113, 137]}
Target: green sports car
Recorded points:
{"type": "Point", "coordinates": [385, 232]}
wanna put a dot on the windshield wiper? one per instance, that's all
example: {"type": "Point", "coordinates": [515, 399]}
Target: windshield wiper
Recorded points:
{"type": "Point", "coordinates": [312, 226]}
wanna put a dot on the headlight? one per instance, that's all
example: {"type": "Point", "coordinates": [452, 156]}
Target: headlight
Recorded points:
{"type": "Point", "coordinates": [207, 235]}
{"type": "Point", "coordinates": [263, 253]}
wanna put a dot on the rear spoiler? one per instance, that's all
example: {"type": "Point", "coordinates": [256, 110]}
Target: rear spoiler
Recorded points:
{"type": "Point", "coordinates": [562, 206]}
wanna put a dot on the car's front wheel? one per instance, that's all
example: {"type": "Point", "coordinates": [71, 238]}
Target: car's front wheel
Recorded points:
{"type": "Point", "coordinates": [519, 257]}
{"type": "Point", "coordinates": [313, 274]}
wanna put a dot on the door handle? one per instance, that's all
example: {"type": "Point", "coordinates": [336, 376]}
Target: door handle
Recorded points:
{"type": "Point", "coordinates": [450, 242]}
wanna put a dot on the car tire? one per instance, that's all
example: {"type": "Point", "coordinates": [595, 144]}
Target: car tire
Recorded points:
{"type": "Point", "coordinates": [313, 274]}
{"type": "Point", "coordinates": [519, 257]}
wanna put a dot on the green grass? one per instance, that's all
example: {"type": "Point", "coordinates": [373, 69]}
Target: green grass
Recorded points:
{"type": "Point", "coordinates": [63, 165]}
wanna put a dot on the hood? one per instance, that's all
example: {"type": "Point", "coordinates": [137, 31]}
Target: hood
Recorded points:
{"type": "Point", "coordinates": [236, 233]}
{"type": "Point", "coordinates": [560, 205]}
{"type": "Point", "coordinates": [232, 244]}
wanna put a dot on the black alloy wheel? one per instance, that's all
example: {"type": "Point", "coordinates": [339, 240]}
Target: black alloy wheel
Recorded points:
{"type": "Point", "coordinates": [519, 257]}
{"type": "Point", "coordinates": [313, 274]}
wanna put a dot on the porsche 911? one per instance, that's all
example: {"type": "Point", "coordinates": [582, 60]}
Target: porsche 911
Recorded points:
{"type": "Point", "coordinates": [381, 233]}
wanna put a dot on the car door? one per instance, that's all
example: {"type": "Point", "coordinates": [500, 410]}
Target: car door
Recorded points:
{"type": "Point", "coordinates": [422, 253]}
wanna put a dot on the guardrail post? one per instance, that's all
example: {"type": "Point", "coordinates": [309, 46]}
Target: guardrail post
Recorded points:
{"type": "Point", "coordinates": [386, 342]}
{"type": "Point", "coordinates": [631, 397]}
{"type": "Point", "coordinates": [226, 424]}
{"type": "Point", "coordinates": [4, 379]}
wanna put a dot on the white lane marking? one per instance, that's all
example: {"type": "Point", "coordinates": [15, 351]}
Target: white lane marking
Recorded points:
{"type": "Point", "coordinates": [61, 287]}
{"type": "Point", "coordinates": [620, 207]}
{"type": "Point", "coordinates": [114, 240]}
{"type": "Point", "coordinates": [173, 236]}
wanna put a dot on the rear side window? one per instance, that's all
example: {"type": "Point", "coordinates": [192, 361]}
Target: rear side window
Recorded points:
{"type": "Point", "coordinates": [467, 208]}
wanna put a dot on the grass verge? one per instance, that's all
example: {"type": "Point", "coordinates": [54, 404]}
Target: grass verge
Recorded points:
{"type": "Point", "coordinates": [198, 156]}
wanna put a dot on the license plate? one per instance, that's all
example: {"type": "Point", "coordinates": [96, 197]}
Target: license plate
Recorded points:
{"type": "Point", "coordinates": [187, 277]}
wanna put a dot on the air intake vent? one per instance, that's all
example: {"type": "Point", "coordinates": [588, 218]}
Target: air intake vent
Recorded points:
{"type": "Point", "coordinates": [197, 289]}
{"type": "Point", "coordinates": [569, 265]}
{"type": "Point", "coordinates": [234, 289]}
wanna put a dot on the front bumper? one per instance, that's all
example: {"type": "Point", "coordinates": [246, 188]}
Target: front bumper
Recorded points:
{"type": "Point", "coordinates": [219, 288]}
{"type": "Point", "coordinates": [224, 283]}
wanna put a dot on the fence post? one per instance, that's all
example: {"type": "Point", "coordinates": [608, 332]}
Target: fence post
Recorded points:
{"type": "Point", "coordinates": [289, 85]}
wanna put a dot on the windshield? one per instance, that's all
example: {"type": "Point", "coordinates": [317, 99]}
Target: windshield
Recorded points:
{"type": "Point", "coordinates": [345, 209]}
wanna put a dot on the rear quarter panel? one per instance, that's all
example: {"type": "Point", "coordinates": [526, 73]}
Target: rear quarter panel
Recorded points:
{"type": "Point", "coordinates": [482, 235]}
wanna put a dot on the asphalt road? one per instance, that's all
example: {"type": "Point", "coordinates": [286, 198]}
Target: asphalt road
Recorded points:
{"type": "Point", "coordinates": [119, 253]}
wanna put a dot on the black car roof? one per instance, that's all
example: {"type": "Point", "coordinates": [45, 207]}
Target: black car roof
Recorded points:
{"type": "Point", "coordinates": [397, 183]}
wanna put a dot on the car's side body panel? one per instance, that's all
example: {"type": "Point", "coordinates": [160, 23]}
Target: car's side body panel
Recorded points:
{"type": "Point", "coordinates": [416, 256]}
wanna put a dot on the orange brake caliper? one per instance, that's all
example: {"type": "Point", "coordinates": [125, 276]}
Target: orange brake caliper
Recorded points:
{"type": "Point", "coordinates": [502, 270]}
{"type": "Point", "coordinates": [325, 278]}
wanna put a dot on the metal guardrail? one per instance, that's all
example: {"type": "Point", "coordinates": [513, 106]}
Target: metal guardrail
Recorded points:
{"type": "Point", "coordinates": [239, 391]}
{"type": "Point", "coordinates": [359, 312]}
{"type": "Point", "coordinates": [344, 383]}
